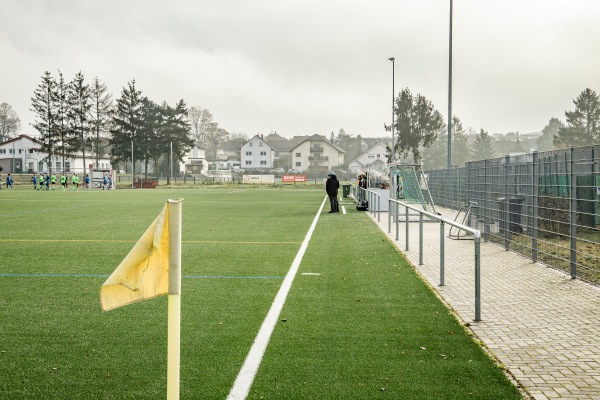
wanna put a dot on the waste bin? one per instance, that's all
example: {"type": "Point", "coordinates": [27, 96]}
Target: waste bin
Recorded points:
{"type": "Point", "coordinates": [346, 191]}
{"type": "Point", "coordinates": [509, 213]}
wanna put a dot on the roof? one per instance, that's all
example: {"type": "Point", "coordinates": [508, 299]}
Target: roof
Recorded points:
{"type": "Point", "coordinates": [316, 138]}
{"type": "Point", "coordinates": [15, 139]}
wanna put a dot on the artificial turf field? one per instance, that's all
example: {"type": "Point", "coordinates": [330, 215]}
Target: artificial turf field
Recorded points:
{"type": "Point", "coordinates": [360, 325]}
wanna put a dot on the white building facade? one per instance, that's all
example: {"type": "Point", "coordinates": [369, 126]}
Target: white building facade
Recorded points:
{"type": "Point", "coordinates": [316, 152]}
{"type": "Point", "coordinates": [24, 154]}
{"type": "Point", "coordinates": [256, 153]}
{"type": "Point", "coordinates": [375, 158]}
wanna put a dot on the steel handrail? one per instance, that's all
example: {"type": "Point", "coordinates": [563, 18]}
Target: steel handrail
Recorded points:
{"type": "Point", "coordinates": [476, 235]}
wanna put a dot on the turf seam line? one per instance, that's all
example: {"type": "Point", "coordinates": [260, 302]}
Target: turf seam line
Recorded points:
{"type": "Point", "coordinates": [245, 378]}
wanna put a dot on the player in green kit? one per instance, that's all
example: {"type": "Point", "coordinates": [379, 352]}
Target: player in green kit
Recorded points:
{"type": "Point", "coordinates": [63, 182]}
{"type": "Point", "coordinates": [53, 181]}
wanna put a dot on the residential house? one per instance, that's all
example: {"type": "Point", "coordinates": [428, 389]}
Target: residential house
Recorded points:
{"type": "Point", "coordinates": [316, 152]}
{"type": "Point", "coordinates": [194, 163]}
{"type": "Point", "coordinates": [24, 154]}
{"type": "Point", "coordinates": [374, 158]}
{"type": "Point", "coordinates": [256, 153]}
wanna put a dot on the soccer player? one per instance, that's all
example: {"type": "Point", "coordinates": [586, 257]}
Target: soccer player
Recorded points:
{"type": "Point", "coordinates": [9, 181]}
{"type": "Point", "coordinates": [104, 181]}
{"type": "Point", "coordinates": [34, 180]}
{"type": "Point", "coordinates": [47, 181]}
{"type": "Point", "coordinates": [87, 181]}
{"type": "Point", "coordinates": [74, 182]}
{"type": "Point", "coordinates": [41, 182]}
{"type": "Point", "coordinates": [63, 182]}
{"type": "Point", "coordinates": [109, 182]}
{"type": "Point", "coordinates": [53, 181]}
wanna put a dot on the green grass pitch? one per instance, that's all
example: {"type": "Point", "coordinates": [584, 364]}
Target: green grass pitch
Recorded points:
{"type": "Point", "coordinates": [361, 326]}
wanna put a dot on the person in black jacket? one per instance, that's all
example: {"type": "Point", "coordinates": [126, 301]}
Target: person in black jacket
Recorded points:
{"type": "Point", "coordinates": [331, 186]}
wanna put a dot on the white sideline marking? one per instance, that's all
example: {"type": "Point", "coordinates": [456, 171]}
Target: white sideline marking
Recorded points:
{"type": "Point", "coordinates": [245, 378]}
{"type": "Point", "coordinates": [311, 273]}
{"type": "Point", "coordinates": [343, 210]}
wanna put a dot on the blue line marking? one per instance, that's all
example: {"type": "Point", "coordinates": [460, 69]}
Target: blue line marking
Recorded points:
{"type": "Point", "coordinates": [39, 211]}
{"type": "Point", "coordinates": [106, 276]}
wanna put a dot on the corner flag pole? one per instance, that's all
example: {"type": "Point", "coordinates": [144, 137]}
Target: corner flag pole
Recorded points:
{"type": "Point", "coordinates": [174, 300]}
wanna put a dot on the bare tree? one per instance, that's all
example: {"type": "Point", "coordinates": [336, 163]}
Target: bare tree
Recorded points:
{"type": "Point", "coordinates": [201, 121]}
{"type": "Point", "coordinates": [10, 123]}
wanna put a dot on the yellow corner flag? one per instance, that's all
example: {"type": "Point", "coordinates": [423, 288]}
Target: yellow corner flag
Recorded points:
{"type": "Point", "coordinates": [144, 273]}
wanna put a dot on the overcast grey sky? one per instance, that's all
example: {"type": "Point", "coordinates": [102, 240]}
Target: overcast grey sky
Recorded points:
{"type": "Point", "coordinates": [308, 66]}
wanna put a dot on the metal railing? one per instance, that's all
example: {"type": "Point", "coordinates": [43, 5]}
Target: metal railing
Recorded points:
{"type": "Point", "coordinates": [394, 206]}
{"type": "Point", "coordinates": [374, 200]}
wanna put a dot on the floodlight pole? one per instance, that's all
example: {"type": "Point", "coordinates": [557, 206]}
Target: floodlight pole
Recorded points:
{"type": "Point", "coordinates": [132, 166]}
{"type": "Point", "coordinates": [393, 152]}
{"type": "Point", "coordinates": [450, 91]}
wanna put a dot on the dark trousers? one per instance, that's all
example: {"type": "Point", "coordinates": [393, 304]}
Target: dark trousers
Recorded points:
{"type": "Point", "coordinates": [333, 201]}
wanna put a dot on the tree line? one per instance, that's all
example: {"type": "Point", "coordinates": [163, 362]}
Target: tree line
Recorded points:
{"type": "Point", "coordinates": [421, 132]}
{"type": "Point", "coordinates": [79, 118]}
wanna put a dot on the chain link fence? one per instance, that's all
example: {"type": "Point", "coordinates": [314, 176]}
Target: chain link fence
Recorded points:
{"type": "Point", "coordinates": [543, 205]}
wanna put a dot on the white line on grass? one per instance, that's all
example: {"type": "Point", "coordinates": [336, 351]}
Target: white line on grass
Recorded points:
{"type": "Point", "coordinates": [343, 210]}
{"type": "Point", "coordinates": [245, 378]}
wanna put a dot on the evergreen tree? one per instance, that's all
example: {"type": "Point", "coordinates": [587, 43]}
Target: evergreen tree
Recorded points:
{"type": "Point", "coordinates": [583, 123]}
{"type": "Point", "coordinates": [44, 107]}
{"type": "Point", "coordinates": [99, 115]}
{"type": "Point", "coordinates": [62, 124]}
{"type": "Point", "coordinates": [177, 131]}
{"type": "Point", "coordinates": [435, 156]}
{"type": "Point", "coordinates": [79, 101]}
{"type": "Point", "coordinates": [460, 148]}
{"type": "Point", "coordinates": [127, 125]}
{"type": "Point", "coordinates": [546, 141]}
{"type": "Point", "coordinates": [150, 145]}
{"type": "Point", "coordinates": [482, 146]}
{"type": "Point", "coordinates": [417, 124]}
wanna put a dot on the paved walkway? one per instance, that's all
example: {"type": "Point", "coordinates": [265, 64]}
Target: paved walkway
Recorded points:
{"type": "Point", "coordinates": [542, 325]}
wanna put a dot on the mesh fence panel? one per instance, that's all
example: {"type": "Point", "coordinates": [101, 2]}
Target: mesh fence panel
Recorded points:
{"type": "Point", "coordinates": [544, 205]}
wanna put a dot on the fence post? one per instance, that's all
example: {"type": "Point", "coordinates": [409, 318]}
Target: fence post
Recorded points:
{"type": "Point", "coordinates": [573, 214]}
{"type": "Point", "coordinates": [477, 278]}
{"type": "Point", "coordinates": [390, 215]}
{"type": "Point", "coordinates": [442, 247]}
{"type": "Point", "coordinates": [406, 225]}
{"type": "Point", "coordinates": [396, 215]}
{"type": "Point", "coordinates": [379, 208]}
{"type": "Point", "coordinates": [535, 201]}
{"type": "Point", "coordinates": [420, 238]}
{"type": "Point", "coordinates": [486, 200]}
{"type": "Point", "coordinates": [506, 205]}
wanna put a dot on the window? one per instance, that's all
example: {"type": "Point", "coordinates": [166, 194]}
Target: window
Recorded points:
{"type": "Point", "coordinates": [263, 162]}
{"type": "Point", "coordinates": [20, 151]}
{"type": "Point", "coordinates": [248, 162]}
{"type": "Point", "coordinates": [298, 164]}
{"type": "Point", "coordinates": [260, 144]}
{"type": "Point", "coordinates": [371, 156]}
{"type": "Point", "coordinates": [248, 153]}
{"type": "Point", "coordinates": [10, 151]}
{"type": "Point", "coordinates": [263, 153]}
{"type": "Point", "coordinates": [298, 154]}
{"type": "Point", "coordinates": [67, 166]}
{"type": "Point", "coordinates": [250, 144]}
